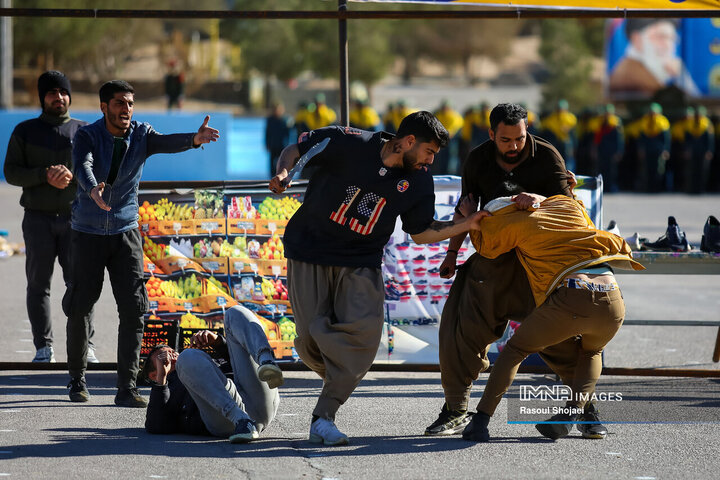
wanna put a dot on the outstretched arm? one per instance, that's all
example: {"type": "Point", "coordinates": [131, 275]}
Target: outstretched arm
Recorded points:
{"type": "Point", "coordinates": [180, 142]}
{"type": "Point", "coordinates": [438, 231]}
{"type": "Point", "coordinates": [205, 134]}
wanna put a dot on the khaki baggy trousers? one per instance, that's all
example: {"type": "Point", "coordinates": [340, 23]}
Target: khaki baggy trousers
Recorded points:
{"type": "Point", "coordinates": [486, 294]}
{"type": "Point", "coordinates": [339, 319]}
{"type": "Point", "coordinates": [568, 312]}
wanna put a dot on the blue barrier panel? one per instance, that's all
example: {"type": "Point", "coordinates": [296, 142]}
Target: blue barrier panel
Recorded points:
{"type": "Point", "coordinates": [247, 157]}
{"type": "Point", "coordinates": [210, 163]}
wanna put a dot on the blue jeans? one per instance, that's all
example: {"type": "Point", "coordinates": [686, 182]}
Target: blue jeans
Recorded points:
{"type": "Point", "coordinates": [221, 401]}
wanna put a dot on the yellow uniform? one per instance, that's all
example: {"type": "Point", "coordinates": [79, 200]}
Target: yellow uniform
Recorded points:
{"type": "Point", "coordinates": [451, 120]}
{"type": "Point", "coordinates": [364, 118]}
{"type": "Point", "coordinates": [321, 117]}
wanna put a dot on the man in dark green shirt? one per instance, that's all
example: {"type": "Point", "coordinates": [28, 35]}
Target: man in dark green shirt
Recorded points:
{"type": "Point", "coordinates": [39, 160]}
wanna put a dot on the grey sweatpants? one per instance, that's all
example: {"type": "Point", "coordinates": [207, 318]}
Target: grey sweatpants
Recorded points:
{"type": "Point", "coordinates": [338, 318]}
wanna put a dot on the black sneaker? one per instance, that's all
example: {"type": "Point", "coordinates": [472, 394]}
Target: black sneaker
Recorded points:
{"type": "Point", "coordinates": [595, 429]}
{"type": "Point", "coordinates": [449, 422]}
{"type": "Point", "coordinates": [561, 426]}
{"type": "Point", "coordinates": [78, 390]}
{"type": "Point", "coordinates": [245, 431]}
{"type": "Point", "coordinates": [129, 397]}
{"type": "Point", "coordinates": [477, 429]}
{"type": "Point", "coordinates": [674, 239]}
{"type": "Point", "coordinates": [711, 236]}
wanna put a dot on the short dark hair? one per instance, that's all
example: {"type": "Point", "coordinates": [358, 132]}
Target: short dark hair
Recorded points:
{"type": "Point", "coordinates": [149, 365]}
{"type": "Point", "coordinates": [426, 128]}
{"type": "Point", "coordinates": [109, 89]}
{"type": "Point", "coordinates": [507, 113]}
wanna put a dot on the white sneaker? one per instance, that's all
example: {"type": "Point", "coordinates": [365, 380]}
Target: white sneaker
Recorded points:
{"type": "Point", "coordinates": [324, 431]}
{"type": "Point", "coordinates": [271, 374]}
{"type": "Point", "coordinates": [634, 242]}
{"type": "Point", "coordinates": [613, 228]}
{"type": "Point", "coordinates": [91, 358]}
{"type": "Point", "coordinates": [45, 354]}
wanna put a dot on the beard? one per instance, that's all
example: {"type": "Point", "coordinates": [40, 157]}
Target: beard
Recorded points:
{"type": "Point", "coordinates": [57, 109]}
{"type": "Point", "coordinates": [510, 159]}
{"type": "Point", "coordinates": [409, 161]}
{"type": "Point", "coordinates": [657, 65]}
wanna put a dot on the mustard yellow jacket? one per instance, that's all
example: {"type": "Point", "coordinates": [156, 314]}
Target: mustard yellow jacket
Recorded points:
{"type": "Point", "coordinates": [551, 242]}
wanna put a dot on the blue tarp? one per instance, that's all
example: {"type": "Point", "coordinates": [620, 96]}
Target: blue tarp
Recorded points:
{"type": "Point", "coordinates": [238, 155]}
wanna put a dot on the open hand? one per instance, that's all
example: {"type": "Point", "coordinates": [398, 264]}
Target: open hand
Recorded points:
{"type": "Point", "coordinates": [205, 134]}
{"type": "Point", "coordinates": [96, 195]}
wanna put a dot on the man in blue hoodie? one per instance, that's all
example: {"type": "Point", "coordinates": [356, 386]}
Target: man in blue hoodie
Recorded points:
{"type": "Point", "coordinates": [108, 158]}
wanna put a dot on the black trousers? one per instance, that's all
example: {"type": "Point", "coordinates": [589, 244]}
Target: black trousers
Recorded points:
{"type": "Point", "coordinates": [122, 255]}
{"type": "Point", "coordinates": [47, 236]}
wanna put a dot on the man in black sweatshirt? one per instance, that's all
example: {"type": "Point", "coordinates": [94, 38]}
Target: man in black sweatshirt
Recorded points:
{"type": "Point", "coordinates": [192, 393]}
{"type": "Point", "coordinates": [39, 160]}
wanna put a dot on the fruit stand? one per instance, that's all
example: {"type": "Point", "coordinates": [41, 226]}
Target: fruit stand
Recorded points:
{"type": "Point", "coordinates": [210, 246]}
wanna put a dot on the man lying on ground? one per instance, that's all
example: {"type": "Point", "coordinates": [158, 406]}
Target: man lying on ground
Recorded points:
{"type": "Point", "coordinates": [192, 393]}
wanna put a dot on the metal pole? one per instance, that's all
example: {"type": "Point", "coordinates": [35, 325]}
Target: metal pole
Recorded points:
{"type": "Point", "coordinates": [6, 59]}
{"type": "Point", "coordinates": [512, 13]}
{"type": "Point", "coordinates": [344, 75]}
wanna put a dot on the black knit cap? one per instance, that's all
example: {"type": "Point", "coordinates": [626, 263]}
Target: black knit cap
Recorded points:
{"type": "Point", "coordinates": [52, 79]}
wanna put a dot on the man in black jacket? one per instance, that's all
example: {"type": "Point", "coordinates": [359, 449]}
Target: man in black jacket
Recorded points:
{"type": "Point", "coordinates": [39, 160]}
{"type": "Point", "coordinates": [192, 393]}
